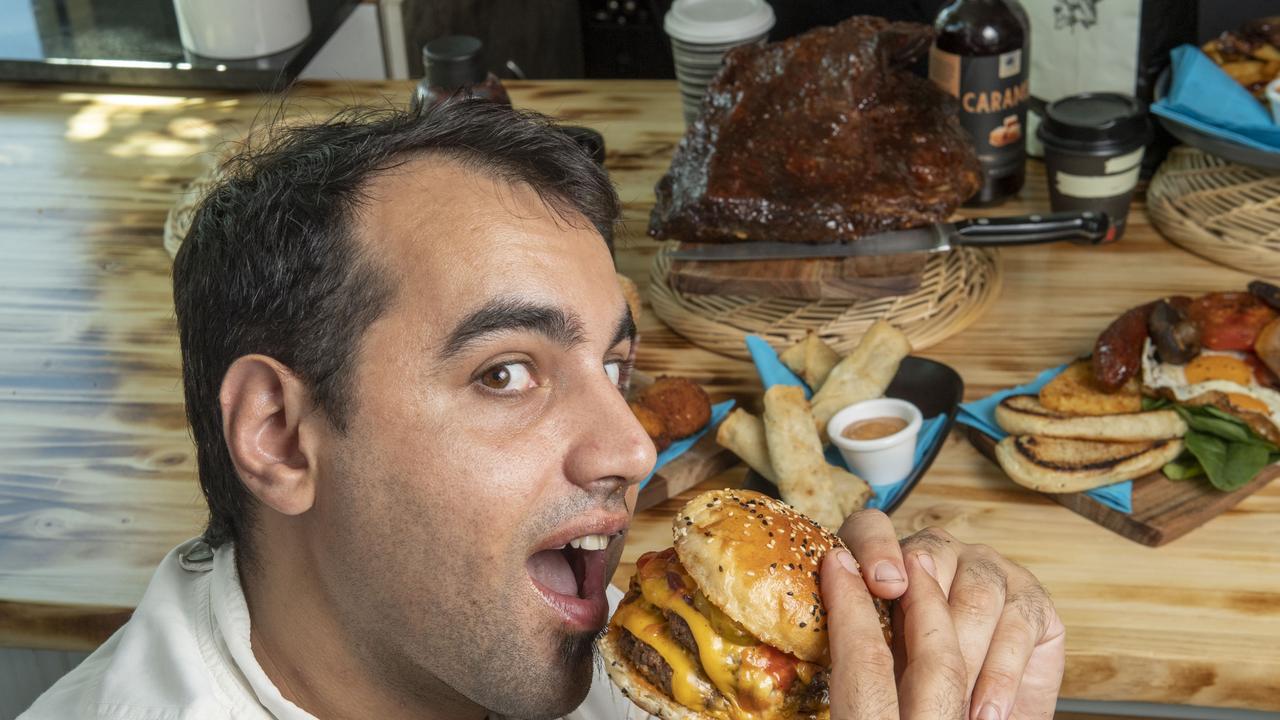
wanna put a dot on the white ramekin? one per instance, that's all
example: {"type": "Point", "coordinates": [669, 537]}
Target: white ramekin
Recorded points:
{"type": "Point", "coordinates": [882, 461]}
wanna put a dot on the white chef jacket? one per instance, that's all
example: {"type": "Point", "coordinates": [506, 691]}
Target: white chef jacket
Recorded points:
{"type": "Point", "coordinates": [185, 655]}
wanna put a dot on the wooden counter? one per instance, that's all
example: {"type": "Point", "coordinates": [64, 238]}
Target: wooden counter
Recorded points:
{"type": "Point", "coordinates": [97, 473]}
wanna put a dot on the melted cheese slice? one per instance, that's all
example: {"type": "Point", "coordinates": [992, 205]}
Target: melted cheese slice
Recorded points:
{"type": "Point", "coordinates": [651, 628]}
{"type": "Point", "coordinates": [750, 692]}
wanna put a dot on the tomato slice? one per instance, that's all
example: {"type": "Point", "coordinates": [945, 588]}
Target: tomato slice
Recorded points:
{"type": "Point", "coordinates": [779, 665]}
{"type": "Point", "coordinates": [1230, 321]}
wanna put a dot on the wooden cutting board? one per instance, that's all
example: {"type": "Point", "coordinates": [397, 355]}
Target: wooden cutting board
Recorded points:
{"type": "Point", "coordinates": [860, 278]}
{"type": "Point", "coordinates": [703, 461]}
{"type": "Point", "coordinates": [1163, 510]}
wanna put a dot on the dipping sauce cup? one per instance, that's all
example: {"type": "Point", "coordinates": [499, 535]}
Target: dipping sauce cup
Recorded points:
{"type": "Point", "coordinates": [885, 460]}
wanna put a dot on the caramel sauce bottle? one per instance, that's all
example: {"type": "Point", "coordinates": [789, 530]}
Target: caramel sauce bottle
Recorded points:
{"type": "Point", "coordinates": [981, 57]}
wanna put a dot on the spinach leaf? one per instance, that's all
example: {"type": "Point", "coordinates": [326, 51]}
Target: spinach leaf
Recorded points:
{"type": "Point", "coordinates": [1185, 467]}
{"type": "Point", "coordinates": [1210, 451]}
{"type": "Point", "coordinates": [1154, 403]}
{"type": "Point", "coordinates": [1244, 462]}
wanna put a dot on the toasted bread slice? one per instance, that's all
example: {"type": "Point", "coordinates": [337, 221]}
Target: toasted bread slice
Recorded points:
{"type": "Point", "coordinates": [1024, 415]}
{"type": "Point", "coordinates": [1075, 392]}
{"type": "Point", "coordinates": [1059, 465]}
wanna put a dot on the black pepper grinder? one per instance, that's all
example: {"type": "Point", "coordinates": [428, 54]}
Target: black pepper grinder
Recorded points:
{"type": "Point", "coordinates": [454, 69]}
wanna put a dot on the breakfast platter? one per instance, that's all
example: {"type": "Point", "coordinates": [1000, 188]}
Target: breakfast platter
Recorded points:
{"type": "Point", "coordinates": [1175, 415]}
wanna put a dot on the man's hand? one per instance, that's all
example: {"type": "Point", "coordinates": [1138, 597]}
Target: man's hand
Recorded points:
{"type": "Point", "coordinates": [1010, 636]}
{"type": "Point", "coordinates": [862, 683]}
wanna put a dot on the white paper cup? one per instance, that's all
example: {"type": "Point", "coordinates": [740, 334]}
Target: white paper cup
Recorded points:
{"type": "Point", "coordinates": [883, 461]}
{"type": "Point", "coordinates": [702, 31]}
{"type": "Point", "coordinates": [241, 29]}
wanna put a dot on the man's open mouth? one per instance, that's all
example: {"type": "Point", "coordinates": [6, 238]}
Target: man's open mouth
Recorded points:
{"type": "Point", "coordinates": [572, 578]}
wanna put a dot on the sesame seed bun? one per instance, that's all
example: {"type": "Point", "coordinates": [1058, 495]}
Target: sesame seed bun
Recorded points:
{"type": "Point", "coordinates": [758, 560]}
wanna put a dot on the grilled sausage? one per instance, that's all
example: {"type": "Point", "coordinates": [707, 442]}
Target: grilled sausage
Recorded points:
{"type": "Point", "coordinates": [1117, 356]}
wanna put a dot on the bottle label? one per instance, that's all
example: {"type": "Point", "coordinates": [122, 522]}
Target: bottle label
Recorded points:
{"type": "Point", "coordinates": [992, 91]}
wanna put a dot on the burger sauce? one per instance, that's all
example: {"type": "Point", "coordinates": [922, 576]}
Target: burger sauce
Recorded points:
{"type": "Point", "coordinates": [981, 57]}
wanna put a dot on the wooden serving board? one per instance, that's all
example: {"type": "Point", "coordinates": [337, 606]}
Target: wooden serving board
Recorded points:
{"type": "Point", "coordinates": [1163, 510]}
{"type": "Point", "coordinates": [859, 278]}
{"type": "Point", "coordinates": [704, 460]}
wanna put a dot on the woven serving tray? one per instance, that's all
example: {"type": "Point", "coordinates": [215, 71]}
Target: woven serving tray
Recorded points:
{"type": "Point", "coordinates": [957, 287]}
{"type": "Point", "coordinates": [1224, 212]}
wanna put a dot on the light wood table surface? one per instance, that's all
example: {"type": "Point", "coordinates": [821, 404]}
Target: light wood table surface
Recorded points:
{"type": "Point", "coordinates": [97, 473]}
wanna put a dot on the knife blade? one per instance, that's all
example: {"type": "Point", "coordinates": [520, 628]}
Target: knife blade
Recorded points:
{"type": "Point", "coordinates": [1081, 227]}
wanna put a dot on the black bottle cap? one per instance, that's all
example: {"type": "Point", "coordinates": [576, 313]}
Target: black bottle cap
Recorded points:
{"type": "Point", "coordinates": [453, 61]}
{"type": "Point", "coordinates": [1095, 121]}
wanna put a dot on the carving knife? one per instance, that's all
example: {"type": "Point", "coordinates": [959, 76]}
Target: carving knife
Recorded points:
{"type": "Point", "coordinates": [1083, 227]}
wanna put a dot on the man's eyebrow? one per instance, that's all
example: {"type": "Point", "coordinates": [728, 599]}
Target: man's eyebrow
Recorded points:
{"type": "Point", "coordinates": [625, 329]}
{"type": "Point", "coordinates": [504, 315]}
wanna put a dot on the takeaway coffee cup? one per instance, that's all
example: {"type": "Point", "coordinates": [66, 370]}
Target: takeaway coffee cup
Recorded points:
{"type": "Point", "coordinates": [701, 32]}
{"type": "Point", "coordinates": [1093, 145]}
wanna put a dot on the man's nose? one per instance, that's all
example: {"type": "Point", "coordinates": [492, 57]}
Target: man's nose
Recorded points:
{"type": "Point", "coordinates": [611, 447]}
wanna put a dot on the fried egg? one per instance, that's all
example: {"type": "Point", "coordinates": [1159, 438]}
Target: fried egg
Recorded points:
{"type": "Point", "coordinates": [1221, 371]}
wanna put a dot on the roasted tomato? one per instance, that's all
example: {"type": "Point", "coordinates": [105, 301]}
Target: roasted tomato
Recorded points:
{"type": "Point", "coordinates": [1230, 321]}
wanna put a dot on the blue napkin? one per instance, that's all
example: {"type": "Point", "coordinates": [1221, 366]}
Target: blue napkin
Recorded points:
{"type": "Point", "coordinates": [773, 372]}
{"type": "Point", "coordinates": [718, 412]}
{"type": "Point", "coordinates": [1205, 97]}
{"type": "Point", "coordinates": [981, 414]}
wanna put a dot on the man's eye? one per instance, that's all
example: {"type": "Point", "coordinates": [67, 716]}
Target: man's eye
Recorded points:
{"type": "Point", "coordinates": [614, 370]}
{"type": "Point", "coordinates": [511, 377]}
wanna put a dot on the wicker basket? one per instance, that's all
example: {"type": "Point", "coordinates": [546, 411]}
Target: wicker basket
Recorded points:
{"type": "Point", "coordinates": [956, 289]}
{"type": "Point", "coordinates": [1224, 212]}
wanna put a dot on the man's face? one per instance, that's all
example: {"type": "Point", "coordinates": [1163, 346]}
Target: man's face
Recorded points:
{"type": "Point", "coordinates": [487, 432]}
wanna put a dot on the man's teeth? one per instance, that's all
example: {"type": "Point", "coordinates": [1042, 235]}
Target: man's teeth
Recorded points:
{"type": "Point", "coordinates": [590, 542]}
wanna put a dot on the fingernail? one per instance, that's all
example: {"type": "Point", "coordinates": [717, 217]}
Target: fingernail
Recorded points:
{"type": "Point", "coordinates": [926, 562]}
{"type": "Point", "coordinates": [888, 572]}
{"type": "Point", "coordinates": [846, 559]}
{"type": "Point", "coordinates": [988, 711]}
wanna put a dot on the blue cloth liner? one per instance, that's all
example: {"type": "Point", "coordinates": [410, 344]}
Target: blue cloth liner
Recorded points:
{"type": "Point", "coordinates": [981, 414]}
{"type": "Point", "coordinates": [719, 412]}
{"type": "Point", "coordinates": [1205, 97]}
{"type": "Point", "coordinates": [773, 372]}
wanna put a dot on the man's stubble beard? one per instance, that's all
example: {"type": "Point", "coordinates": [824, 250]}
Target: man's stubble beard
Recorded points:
{"type": "Point", "coordinates": [488, 650]}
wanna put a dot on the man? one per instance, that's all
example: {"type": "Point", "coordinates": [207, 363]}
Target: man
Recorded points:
{"type": "Point", "coordinates": [403, 353]}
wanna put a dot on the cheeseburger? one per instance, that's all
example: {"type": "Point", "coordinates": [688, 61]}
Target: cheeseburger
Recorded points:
{"type": "Point", "coordinates": [729, 623]}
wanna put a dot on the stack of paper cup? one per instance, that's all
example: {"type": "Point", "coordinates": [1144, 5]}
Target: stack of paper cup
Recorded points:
{"type": "Point", "coordinates": [702, 31]}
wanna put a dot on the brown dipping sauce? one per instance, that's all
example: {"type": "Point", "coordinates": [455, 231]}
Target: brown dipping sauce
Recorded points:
{"type": "Point", "coordinates": [874, 428]}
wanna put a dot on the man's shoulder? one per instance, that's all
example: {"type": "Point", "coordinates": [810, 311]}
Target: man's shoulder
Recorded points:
{"type": "Point", "coordinates": [163, 664]}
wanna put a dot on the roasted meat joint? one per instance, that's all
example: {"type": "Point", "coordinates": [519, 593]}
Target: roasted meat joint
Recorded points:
{"type": "Point", "coordinates": [825, 137]}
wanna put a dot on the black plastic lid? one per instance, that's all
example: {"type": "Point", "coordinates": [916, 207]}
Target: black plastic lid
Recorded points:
{"type": "Point", "coordinates": [1095, 120]}
{"type": "Point", "coordinates": [453, 61]}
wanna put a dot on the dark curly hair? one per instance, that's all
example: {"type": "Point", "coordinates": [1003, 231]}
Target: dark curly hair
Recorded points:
{"type": "Point", "coordinates": [270, 264]}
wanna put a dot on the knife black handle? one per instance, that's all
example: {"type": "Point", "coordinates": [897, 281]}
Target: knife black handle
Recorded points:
{"type": "Point", "coordinates": [1084, 227]}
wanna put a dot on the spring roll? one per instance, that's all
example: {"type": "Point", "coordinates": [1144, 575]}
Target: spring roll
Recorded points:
{"type": "Point", "coordinates": [819, 360]}
{"type": "Point", "coordinates": [811, 359]}
{"type": "Point", "coordinates": [863, 374]}
{"type": "Point", "coordinates": [743, 434]}
{"type": "Point", "coordinates": [796, 453]}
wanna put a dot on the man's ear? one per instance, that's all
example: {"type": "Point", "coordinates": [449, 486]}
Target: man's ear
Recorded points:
{"type": "Point", "coordinates": [264, 406]}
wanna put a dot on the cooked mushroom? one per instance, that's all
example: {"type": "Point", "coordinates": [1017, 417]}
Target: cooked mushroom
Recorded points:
{"type": "Point", "coordinates": [1177, 338]}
